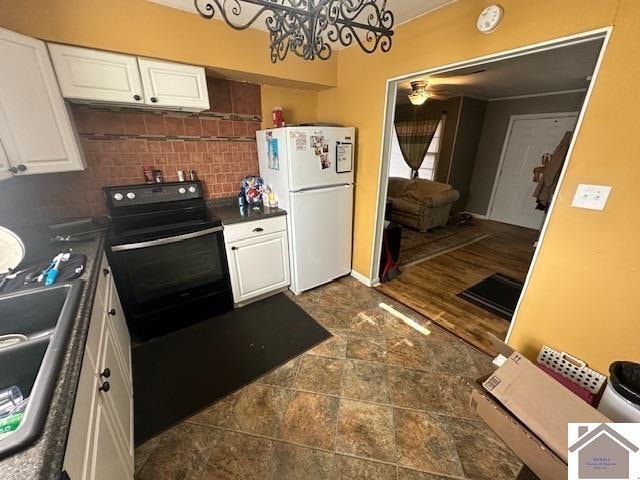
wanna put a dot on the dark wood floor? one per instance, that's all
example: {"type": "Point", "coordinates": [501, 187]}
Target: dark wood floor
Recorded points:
{"type": "Point", "coordinates": [431, 287]}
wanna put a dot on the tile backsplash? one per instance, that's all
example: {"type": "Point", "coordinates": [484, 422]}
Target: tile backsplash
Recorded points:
{"type": "Point", "coordinates": [219, 145]}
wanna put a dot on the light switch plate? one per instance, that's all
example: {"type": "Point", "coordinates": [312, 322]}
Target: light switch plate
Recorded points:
{"type": "Point", "coordinates": [591, 197]}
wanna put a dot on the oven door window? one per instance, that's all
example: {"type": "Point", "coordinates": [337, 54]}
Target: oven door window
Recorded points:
{"type": "Point", "coordinates": [165, 274]}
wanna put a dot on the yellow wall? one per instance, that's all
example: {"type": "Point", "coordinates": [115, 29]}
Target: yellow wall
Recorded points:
{"type": "Point", "coordinates": [582, 297]}
{"type": "Point", "coordinates": [143, 28]}
{"type": "Point", "coordinates": [299, 106]}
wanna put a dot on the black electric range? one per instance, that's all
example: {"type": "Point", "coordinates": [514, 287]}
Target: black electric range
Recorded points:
{"type": "Point", "coordinates": [167, 255]}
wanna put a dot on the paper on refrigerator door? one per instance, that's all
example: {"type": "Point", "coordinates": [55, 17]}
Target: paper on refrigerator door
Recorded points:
{"type": "Point", "coordinates": [300, 140]}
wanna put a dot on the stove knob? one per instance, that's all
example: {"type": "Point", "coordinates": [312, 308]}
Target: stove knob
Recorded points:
{"type": "Point", "coordinates": [118, 196]}
{"type": "Point", "coordinates": [192, 189]}
{"type": "Point", "coordinates": [182, 190]}
{"type": "Point", "coordinates": [131, 195]}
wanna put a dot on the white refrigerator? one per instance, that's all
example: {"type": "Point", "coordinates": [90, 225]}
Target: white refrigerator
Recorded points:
{"type": "Point", "coordinates": [311, 170]}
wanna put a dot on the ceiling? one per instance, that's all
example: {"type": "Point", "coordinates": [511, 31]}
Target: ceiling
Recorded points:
{"type": "Point", "coordinates": [403, 10]}
{"type": "Point", "coordinates": [560, 69]}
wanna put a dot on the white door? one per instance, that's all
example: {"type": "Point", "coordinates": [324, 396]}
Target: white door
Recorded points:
{"type": "Point", "coordinates": [106, 461]}
{"type": "Point", "coordinates": [321, 223]}
{"type": "Point", "coordinates": [168, 84]}
{"type": "Point", "coordinates": [86, 74]}
{"type": "Point", "coordinates": [119, 397]}
{"type": "Point", "coordinates": [118, 324]}
{"type": "Point", "coordinates": [527, 141]}
{"type": "Point", "coordinates": [4, 164]}
{"type": "Point", "coordinates": [258, 265]}
{"type": "Point", "coordinates": [312, 156]}
{"type": "Point", "coordinates": [35, 126]}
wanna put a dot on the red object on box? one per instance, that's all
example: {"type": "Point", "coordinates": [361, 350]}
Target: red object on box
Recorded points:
{"type": "Point", "coordinates": [582, 392]}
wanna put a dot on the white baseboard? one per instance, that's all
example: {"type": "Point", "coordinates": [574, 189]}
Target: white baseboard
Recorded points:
{"type": "Point", "coordinates": [477, 215]}
{"type": "Point", "coordinates": [364, 279]}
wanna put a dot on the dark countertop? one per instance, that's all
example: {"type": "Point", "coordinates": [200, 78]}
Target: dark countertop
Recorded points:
{"type": "Point", "coordinates": [44, 458]}
{"type": "Point", "coordinates": [229, 212]}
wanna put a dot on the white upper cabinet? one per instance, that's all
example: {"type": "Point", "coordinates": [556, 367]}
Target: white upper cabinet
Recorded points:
{"type": "Point", "coordinates": [173, 85]}
{"type": "Point", "coordinates": [94, 75]}
{"type": "Point", "coordinates": [36, 130]}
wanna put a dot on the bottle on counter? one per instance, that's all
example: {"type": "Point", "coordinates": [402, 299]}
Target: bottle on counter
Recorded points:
{"type": "Point", "coordinates": [148, 174]}
{"type": "Point", "coordinates": [242, 200]}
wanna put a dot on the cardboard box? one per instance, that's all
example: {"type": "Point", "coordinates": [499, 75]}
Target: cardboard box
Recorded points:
{"type": "Point", "coordinates": [535, 454]}
{"type": "Point", "coordinates": [541, 403]}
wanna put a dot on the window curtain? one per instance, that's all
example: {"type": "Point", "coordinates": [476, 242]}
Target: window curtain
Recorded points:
{"type": "Point", "coordinates": [414, 136]}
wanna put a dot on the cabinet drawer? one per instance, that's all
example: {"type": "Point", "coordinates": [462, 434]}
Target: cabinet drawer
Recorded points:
{"type": "Point", "coordinates": [241, 231]}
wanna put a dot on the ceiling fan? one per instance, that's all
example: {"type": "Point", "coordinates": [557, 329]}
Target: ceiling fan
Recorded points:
{"type": "Point", "coordinates": [421, 91]}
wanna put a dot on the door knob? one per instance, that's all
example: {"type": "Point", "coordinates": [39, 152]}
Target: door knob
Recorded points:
{"type": "Point", "coordinates": [154, 99]}
{"type": "Point", "coordinates": [13, 170]}
{"type": "Point", "coordinates": [136, 97]}
{"type": "Point", "coordinates": [112, 312]}
{"type": "Point", "coordinates": [234, 248]}
{"type": "Point", "coordinates": [105, 271]}
{"type": "Point", "coordinates": [105, 387]}
{"type": "Point", "coordinates": [106, 373]}
{"type": "Point", "coordinates": [22, 168]}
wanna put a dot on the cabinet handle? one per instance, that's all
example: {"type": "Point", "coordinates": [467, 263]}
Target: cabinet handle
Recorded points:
{"type": "Point", "coordinates": [136, 97]}
{"type": "Point", "coordinates": [106, 373]}
{"type": "Point", "coordinates": [105, 387]}
{"type": "Point", "coordinates": [259, 229]}
{"type": "Point", "coordinates": [105, 271]}
{"type": "Point", "coordinates": [154, 99]}
{"type": "Point", "coordinates": [112, 312]}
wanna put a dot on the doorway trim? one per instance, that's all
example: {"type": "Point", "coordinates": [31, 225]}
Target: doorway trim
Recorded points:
{"type": "Point", "coordinates": [387, 125]}
{"type": "Point", "coordinates": [505, 145]}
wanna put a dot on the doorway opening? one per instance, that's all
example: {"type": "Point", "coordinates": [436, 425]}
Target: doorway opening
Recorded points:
{"type": "Point", "coordinates": [468, 179]}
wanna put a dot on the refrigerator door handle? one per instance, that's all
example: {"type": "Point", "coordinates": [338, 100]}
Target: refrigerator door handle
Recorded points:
{"type": "Point", "coordinates": [324, 189]}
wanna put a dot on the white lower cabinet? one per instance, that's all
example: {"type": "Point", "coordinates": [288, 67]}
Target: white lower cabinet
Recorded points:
{"type": "Point", "coordinates": [258, 256]}
{"type": "Point", "coordinates": [100, 444]}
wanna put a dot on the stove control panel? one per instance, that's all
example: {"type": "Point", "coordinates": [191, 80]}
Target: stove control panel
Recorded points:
{"type": "Point", "coordinates": [145, 194]}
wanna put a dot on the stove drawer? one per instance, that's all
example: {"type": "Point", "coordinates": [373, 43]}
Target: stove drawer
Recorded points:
{"type": "Point", "coordinates": [254, 228]}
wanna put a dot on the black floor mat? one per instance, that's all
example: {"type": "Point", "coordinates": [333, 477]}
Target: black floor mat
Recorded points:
{"type": "Point", "coordinates": [181, 373]}
{"type": "Point", "coordinates": [498, 294]}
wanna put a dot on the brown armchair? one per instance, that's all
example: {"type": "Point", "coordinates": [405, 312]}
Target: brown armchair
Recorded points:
{"type": "Point", "coordinates": [420, 203]}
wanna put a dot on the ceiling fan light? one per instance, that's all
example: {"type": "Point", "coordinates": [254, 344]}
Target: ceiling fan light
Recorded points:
{"type": "Point", "coordinates": [418, 98]}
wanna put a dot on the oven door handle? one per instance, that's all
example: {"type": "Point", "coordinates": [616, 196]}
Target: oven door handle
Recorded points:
{"type": "Point", "coordinates": [164, 241]}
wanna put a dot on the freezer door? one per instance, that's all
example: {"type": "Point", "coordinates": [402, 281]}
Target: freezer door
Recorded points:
{"type": "Point", "coordinates": [320, 223]}
{"type": "Point", "coordinates": [312, 153]}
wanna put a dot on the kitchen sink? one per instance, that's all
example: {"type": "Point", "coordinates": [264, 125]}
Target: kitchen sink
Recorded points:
{"type": "Point", "coordinates": [46, 317]}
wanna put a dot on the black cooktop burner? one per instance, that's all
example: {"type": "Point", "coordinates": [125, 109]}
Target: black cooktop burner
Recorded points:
{"type": "Point", "coordinates": [148, 211]}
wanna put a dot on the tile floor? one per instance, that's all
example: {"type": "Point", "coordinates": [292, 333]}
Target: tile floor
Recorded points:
{"type": "Point", "coordinates": [378, 401]}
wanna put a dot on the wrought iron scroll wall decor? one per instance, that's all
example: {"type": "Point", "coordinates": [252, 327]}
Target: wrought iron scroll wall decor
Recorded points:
{"type": "Point", "coordinates": [309, 27]}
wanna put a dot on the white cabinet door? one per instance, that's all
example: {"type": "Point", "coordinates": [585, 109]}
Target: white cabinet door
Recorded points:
{"type": "Point", "coordinates": [86, 74]}
{"type": "Point", "coordinates": [119, 397]}
{"type": "Point", "coordinates": [258, 265]}
{"type": "Point", "coordinates": [174, 85]}
{"type": "Point", "coordinates": [118, 324]}
{"type": "Point", "coordinates": [77, 443]}
{"type": "Point", "coordinates": [106, 461]}
{"type": "Point", "coordinates": [4, 164]}
{"type": "Point", "coordinates": [35, 125]}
